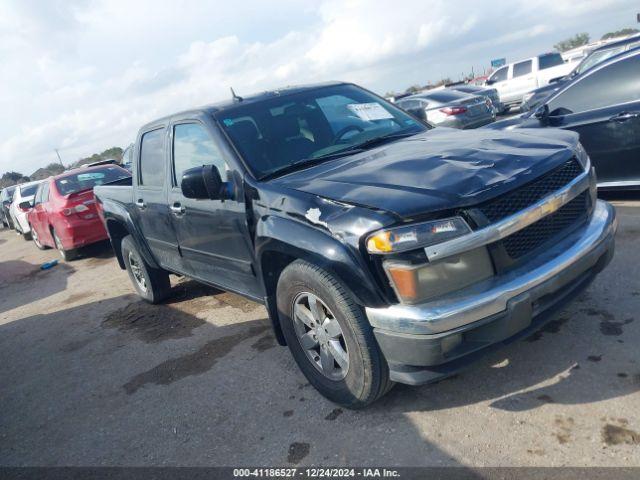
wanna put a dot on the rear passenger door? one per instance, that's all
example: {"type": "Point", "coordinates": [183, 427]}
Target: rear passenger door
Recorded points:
{"type": "Point", "coordinates": [604, 108]}
{"type": "Point", "coordinates": [38, 214]}
{"type": "Point", "coordinates": [213, 234]}
{"type": "Point", "coordinates": [150, 198]}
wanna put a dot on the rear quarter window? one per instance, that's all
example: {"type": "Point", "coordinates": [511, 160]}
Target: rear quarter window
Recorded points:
{"type": "Point", "coordinates": [549, 60]}
{"type": "Point", "coordinates": [152, 162]}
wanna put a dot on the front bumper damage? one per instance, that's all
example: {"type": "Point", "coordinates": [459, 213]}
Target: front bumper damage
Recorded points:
{"type": "Point", "coordinates": [424, 343]}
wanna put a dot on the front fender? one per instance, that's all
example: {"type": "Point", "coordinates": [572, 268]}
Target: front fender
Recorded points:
{"type": "Point", "coordinates": [295, 239]}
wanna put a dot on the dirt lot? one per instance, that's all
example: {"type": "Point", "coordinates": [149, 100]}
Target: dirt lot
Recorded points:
{"type": "Point", "coordinates": [89, 375]}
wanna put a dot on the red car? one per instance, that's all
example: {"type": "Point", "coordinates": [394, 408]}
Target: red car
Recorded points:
{"type": "Point", "coordinates": [64, 214]}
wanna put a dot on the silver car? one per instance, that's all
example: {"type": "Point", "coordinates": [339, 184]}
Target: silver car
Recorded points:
{"type": "Point", "coordinates": [492, 93]}
{"type": "Point", "coordinates": [448, 108]}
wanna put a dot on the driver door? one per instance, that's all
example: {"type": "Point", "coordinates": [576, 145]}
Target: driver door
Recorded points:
{"type": "Point", "coordinates": [213, 235]}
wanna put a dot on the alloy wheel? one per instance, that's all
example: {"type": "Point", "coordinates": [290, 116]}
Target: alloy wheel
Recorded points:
{"type": "Point", "coordinates": [136, 270]}
{"type": "Point", "coordinates": [320, 336]}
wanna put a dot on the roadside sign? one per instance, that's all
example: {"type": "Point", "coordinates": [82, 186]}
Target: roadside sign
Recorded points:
{"type": "Point", "coordinates": [498, 62]}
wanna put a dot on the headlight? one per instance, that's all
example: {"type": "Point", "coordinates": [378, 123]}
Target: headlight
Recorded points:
{"type": "Point", "coordinates": [418, 283]}
{"type": "Point", "coordinates": [417, 235]}
{"type": "Point", "coordinates": [582, 156]}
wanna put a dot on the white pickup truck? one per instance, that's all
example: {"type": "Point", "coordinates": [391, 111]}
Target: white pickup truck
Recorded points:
{"type": "Point", "coordinates": [516, 79]}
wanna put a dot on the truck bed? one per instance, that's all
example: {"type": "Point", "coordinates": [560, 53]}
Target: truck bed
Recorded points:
{"type": "Point", "coordinates": [119, 191]}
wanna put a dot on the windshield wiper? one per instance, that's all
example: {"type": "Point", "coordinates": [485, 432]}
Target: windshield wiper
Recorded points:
{"type": "Point", "coordinates": [358, 147]}
{"type": "Point", "coordinates": [372, 142]}
{"type": "Point", "coordinates": [307, 162]}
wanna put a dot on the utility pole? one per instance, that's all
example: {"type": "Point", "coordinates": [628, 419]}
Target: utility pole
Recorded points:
{"type": "Point", "coordinates": [59, 159]}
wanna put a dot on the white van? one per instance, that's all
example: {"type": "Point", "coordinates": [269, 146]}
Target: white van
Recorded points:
{"type": "Point", "coordinates": [516, 79]}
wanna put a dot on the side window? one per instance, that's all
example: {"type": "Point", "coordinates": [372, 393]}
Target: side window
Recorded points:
{"type": "Point", "coordinates": [522, 68]}
{"type": "Point", "coordinates": [612, 85]}
{"type": "Point", "coordinates": [152, 159]}
{"type": "Point", "coordinates": [194, 147]}
{"type": "Point", "coordinates": [500, 75]}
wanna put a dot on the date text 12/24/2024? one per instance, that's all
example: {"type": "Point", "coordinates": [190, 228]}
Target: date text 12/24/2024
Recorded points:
{"type": "Point", "coordinates": [316, 472]}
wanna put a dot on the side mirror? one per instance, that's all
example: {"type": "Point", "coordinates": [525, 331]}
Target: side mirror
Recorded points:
{"type": "Point", "coordinates": [25, 206]}
{"type": "Point", "coordinates": [202, 183]}
{"type": "Point", "coordinates": [489, 81]}
{"type": "Point", "coordinates": [542, 113]}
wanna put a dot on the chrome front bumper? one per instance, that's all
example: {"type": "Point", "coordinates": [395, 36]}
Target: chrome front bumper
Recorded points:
{"type": "Point", "coordinates": [568, 260]}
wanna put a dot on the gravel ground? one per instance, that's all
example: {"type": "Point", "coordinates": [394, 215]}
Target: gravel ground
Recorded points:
{"type": "Point", "coordinates": [90, 376]}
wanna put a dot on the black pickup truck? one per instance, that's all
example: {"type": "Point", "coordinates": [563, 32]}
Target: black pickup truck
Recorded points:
{"type": "Point", "coordinates": [383, 249]}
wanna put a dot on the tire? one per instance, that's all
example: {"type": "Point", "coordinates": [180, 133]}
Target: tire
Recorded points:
{"type": "Point", "coordinates": [36, 240]}
{"type": "Point", "coordinates": [67, 255]}
{"type": "Point", "coordinates": [366, 377]}
{"type": "Point", "coordinates": [151, 284]}
{"type": "Point", "coordinates": [26, 236]}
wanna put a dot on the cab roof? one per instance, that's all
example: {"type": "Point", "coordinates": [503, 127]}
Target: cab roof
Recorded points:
{"type": "Point", "coordinates": [231, 103]}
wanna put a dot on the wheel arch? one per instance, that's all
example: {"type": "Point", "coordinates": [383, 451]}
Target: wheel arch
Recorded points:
{"type": "Point", "coordinates": [279, 242]}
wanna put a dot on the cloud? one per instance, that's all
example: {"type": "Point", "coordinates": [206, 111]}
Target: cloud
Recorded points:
{"type": "Point", "coordinates": [83, 76]}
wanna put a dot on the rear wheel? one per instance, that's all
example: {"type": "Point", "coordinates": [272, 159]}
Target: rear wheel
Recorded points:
{"type": "Point", "coordinates": [36, 240]}
{"type": "Point", "coordinates": [329, 337]}
{"type": "Point", "coordinates": [150, 283]}
{"type": "Point", "coordinates": [67, 255]}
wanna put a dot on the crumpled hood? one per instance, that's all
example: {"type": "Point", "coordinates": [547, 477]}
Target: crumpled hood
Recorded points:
{"type": "Point", "coordinates": [441, 169]}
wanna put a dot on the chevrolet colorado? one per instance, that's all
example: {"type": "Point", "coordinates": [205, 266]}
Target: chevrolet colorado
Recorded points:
{"type": "Point", "coordinates": [384, 250]}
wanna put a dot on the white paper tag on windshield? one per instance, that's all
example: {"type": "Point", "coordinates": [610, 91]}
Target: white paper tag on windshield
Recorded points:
{"type": "Point", "coordinates": [369, 111]}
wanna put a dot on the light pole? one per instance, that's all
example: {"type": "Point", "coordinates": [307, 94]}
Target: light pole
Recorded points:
{"type": "Point", "coordinates": [59, 159]}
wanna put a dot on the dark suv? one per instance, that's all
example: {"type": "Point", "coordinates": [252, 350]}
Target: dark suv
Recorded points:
{"type": "Point", "coordinates": [383, 249]}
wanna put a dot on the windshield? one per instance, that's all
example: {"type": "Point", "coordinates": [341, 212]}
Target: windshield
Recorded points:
{"type": "Point", "coordinates": [7, 193]}
{"type": "Point", "coordinates": [273, 134]}
{"type": "Point", "coordinates": [28, 190]}
{"type": "Point", "coordinates": [86, 180]}
{"type": "Point", "coordinates": [597, 57]}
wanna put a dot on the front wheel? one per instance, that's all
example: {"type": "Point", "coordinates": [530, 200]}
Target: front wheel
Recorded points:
{"type": "Point", "coordinates": [151, 284]}
{"type": "Point", "coordinates": [67, 255]}
{"type": "Point", "coordinates": [329, 337]}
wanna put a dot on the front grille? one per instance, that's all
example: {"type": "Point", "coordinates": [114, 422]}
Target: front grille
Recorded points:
{"type": "Point", "coordinates": [525, 196]}
{"type": "Point", "coordinates": [529, 238]}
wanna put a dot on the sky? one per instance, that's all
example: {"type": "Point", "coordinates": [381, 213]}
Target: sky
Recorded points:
{"type": "Point", "coordinates": [81, 76]}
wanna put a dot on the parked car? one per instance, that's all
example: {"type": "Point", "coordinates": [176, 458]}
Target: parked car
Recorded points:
{"type": "Point", "coordinates": [64, 214]}
{"type": "Point", "coordinates": [384, 250]}
{"type": "Point", "coordinates": [603, 106]}
{"type": "Point", "coordinates": [449, 108]}
{"type": "Point", "coordinates": [516, 79]}
{"type": "Point", "coordinates": [536, 97]}
{"type": "Point", "coordinates": [490, 93]}
{"type": "Point", "coordinates": [20, 206]}
{"type": "Point", "coordinates": [6, 197]}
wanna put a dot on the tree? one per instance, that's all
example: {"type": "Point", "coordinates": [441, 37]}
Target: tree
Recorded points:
{"type": "Point", "coordinates": [577, 40]}
{"type": "Point", "coordinates": [620, 33]}
{"type": "Point", "coordinates": [413, 89]}
{"type": "Point", "coordinates": [11, 178]}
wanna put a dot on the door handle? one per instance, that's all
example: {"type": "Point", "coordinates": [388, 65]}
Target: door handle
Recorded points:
{"type": "Point", "coordinates": [177, 209]}
{"type": "Point", "coordinates": [140, 204]}
{"type": "Point", "coordinates": [624, 116]}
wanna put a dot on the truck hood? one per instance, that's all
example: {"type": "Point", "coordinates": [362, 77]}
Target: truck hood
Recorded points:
{"type": "Point", "coordinates": [442, 169]}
